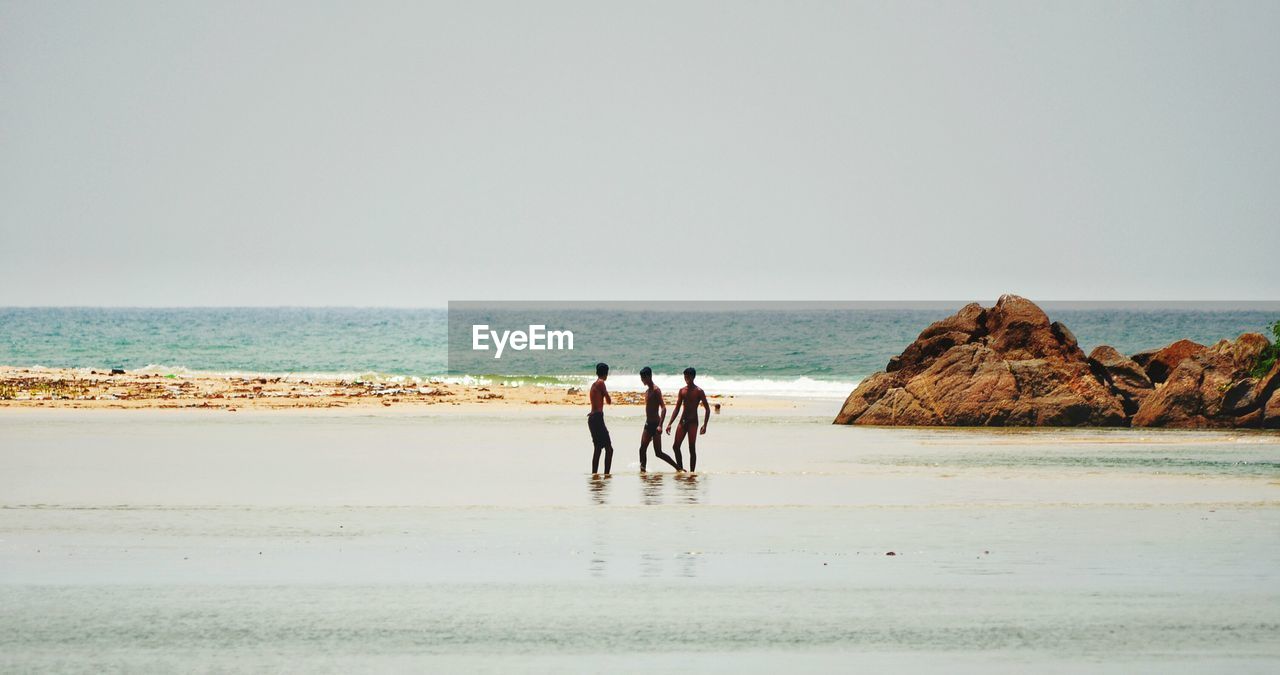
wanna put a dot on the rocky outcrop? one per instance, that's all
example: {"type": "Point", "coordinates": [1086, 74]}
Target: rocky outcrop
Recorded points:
{"type": "Point", "coordinates": [1158, 363]}
{"type": "Point", "coordinates": [1271, 409]}
{"type": "Point", "coordinates": [1003, 366]}
{"type": "Point", "coordinates": [1213, 389]}
{"type": "Point", "coordinates": [1124, 374]}
{"type": "Point", "coordinates": [1011, 366]}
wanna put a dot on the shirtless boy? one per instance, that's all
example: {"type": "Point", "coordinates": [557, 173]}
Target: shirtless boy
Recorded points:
{"type": "Point", "coordinates": [691, 396]}
{"type": "Point", "coordinates": [595, 422]}
{"type": "Point", "coordinates": [655, 412]}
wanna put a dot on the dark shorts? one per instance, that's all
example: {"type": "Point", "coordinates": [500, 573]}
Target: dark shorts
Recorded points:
{"type": "Point", "coordinates": [652, 429]}
{"type": "Point", "coordinates": [689, 421]}
{"type": "Point", "coordinates": [599, 434]}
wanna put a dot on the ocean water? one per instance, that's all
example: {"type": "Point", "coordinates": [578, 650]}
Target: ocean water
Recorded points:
{"type": "Point", "coordinates": [794, 352]}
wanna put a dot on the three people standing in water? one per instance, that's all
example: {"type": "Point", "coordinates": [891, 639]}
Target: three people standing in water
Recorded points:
{"type": "Point", "coordinates": [691, 396]}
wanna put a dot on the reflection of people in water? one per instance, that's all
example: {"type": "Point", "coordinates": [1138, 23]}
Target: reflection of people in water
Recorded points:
{"type": "Point", "coordinates": [599, 489]}
{"type": "Point", "coordinates": [689, 487]}
{"type": "Point", "coordinates": [595, 422]}
{"type": "Point", "coordinates": [691, 396]}
{"type": "Point", "coordinates": [655, 413]}
{"type": "Point", "coordinates": [651, 488]}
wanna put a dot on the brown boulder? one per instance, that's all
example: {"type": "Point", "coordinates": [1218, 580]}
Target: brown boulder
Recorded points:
{"type": "Point", "coordinates": [867, 392]}
{"type": "Point", "coordinates": [1250, 398]}
{"type": "Point", "coordinates": [1125, 375]}
{"type": "Point", "coordinates": [1160, 362]}
{"type": "Point", "coordinates": [1004, 366]}
{"type": "Point", "coordinates": [1019, 329]}
{"type": "Point", "coordinates": [971, 320]}
{"type": "Point", "coordinates": [958, 329]}
{"type": "Point", "coordinates": [1210, 389]}
{"type": "Point", "coordinates": [1268, 384]}
{"type": "Point", "coordinates": [1245, 350]}
{"type": "Point", "coordinates": [1271, 413]}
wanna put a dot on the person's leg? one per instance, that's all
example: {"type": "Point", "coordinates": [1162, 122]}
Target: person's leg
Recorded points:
{"type": "Point", "coordinates": [595, 461]}
{"type": "Point", "coordinates": [693, 449]}
{"type": "Point", "coordinates": [657, 452]}
{"type": "Point", "coordinates": [675, 447]}
{"type": "Point", "coordinates": [644, 445]}
{"type": "Point", "coordinates": [608, 459]}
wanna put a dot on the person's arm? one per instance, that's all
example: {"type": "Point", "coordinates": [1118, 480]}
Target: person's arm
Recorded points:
{"type": "Point", "coordinates": [676, 415]}
{"type": "Point", "coordinates": [605, 389]}
{"type": "Point", "coordinates": [662, 409]}
{"type": "Point", "coordinates": [707, 407]}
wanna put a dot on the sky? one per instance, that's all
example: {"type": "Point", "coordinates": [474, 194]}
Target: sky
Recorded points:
{"type": "Point", "coordinates": [410, 153]}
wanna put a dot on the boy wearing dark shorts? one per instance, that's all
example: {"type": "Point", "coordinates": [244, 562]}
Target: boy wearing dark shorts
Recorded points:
{"type": "Point", "coordinates": [595, 422]}
{"type": "Point", "coordinates": [655, 412]}
{"type": "Point", "coordinates": [691, 396]}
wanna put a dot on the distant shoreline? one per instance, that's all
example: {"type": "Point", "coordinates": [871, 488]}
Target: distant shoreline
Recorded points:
{"type": "Point", "coordinates": [54, 388]}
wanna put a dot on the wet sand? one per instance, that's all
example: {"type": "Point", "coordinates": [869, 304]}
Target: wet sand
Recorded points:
{"type": "Point", "coordinates": [452, 538]}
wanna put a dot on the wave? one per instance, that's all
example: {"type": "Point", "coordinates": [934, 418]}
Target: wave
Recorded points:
{"type": "Point", "coordinates": [799, 387]}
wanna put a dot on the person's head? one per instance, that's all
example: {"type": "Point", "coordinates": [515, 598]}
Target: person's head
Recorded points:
{"type": "Point", "coordinates": [646, 375]}
{"type": "Point", "coordinates": [689, 374]}
{"type": "Point", "coordinates": [602, 371]}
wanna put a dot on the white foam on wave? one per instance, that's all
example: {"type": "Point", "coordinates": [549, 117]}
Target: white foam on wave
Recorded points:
{"type": "Point", "coordinates": [293, 376]}
{"type": "Point", "coordinates": [800, 387]}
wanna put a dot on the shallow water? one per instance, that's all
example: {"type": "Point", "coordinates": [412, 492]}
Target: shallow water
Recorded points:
{"type": "Point", "coordinates": [161, 540]}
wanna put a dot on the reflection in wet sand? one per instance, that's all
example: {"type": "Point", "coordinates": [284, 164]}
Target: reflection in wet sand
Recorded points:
{"type": "Point", "coordinates": [686, 488]}
{"type": "Point", "coordinates": [651, 565]}
{"type": "Point", "coordinates": [687, 563]}
{"type": "Point", "coordinates": [690, 487]}
{"type": "Point", "coordinates": [598, 489]}
{"type": "Point", "coordinates": [651, 489]}
{"type": "Point", "coordinates": [599, 564]}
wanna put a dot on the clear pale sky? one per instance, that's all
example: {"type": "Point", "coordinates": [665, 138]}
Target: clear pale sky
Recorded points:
{"type": "Point", "coordinates": [409, 153]}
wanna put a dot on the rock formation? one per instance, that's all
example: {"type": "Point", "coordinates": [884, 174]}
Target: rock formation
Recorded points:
{"type": "Point", "coordinates": [1212, 388]}
{"type": "Point", "coordinates": [1271, 409]}
{"type": "Point", "coordinates": [1004, 366]}
{"type": "Point", "coordinates": [1010, 366]}
{"type": "Point", "coordinates": [1125, 375]}
{"type": "Point", "coordinates": [1160, 362]}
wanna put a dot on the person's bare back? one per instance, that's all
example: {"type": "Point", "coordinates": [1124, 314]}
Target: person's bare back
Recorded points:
{"type": "Point", "coordinates": [599, 396]}
{"type": "Point", "coordinates": [652, 405]}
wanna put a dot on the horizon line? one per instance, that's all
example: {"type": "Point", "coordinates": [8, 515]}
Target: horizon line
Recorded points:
{"type": "Point", "coordinates": [675, 304]}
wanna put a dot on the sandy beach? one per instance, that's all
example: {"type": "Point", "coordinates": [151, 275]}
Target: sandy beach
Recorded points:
{"type": "Point", "coordinates": [473, 537]}
{"type": "Point", "coordinates": [100, 389]}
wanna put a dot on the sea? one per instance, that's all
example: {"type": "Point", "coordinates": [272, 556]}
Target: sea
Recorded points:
{"type": "Point", "coordinates": [781, 349]}
{"type": "Point", "coordinates": [476, 539]}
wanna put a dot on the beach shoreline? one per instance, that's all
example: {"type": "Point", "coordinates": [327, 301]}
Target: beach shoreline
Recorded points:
{"type": "Point", "coordinates": [72, 388]}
